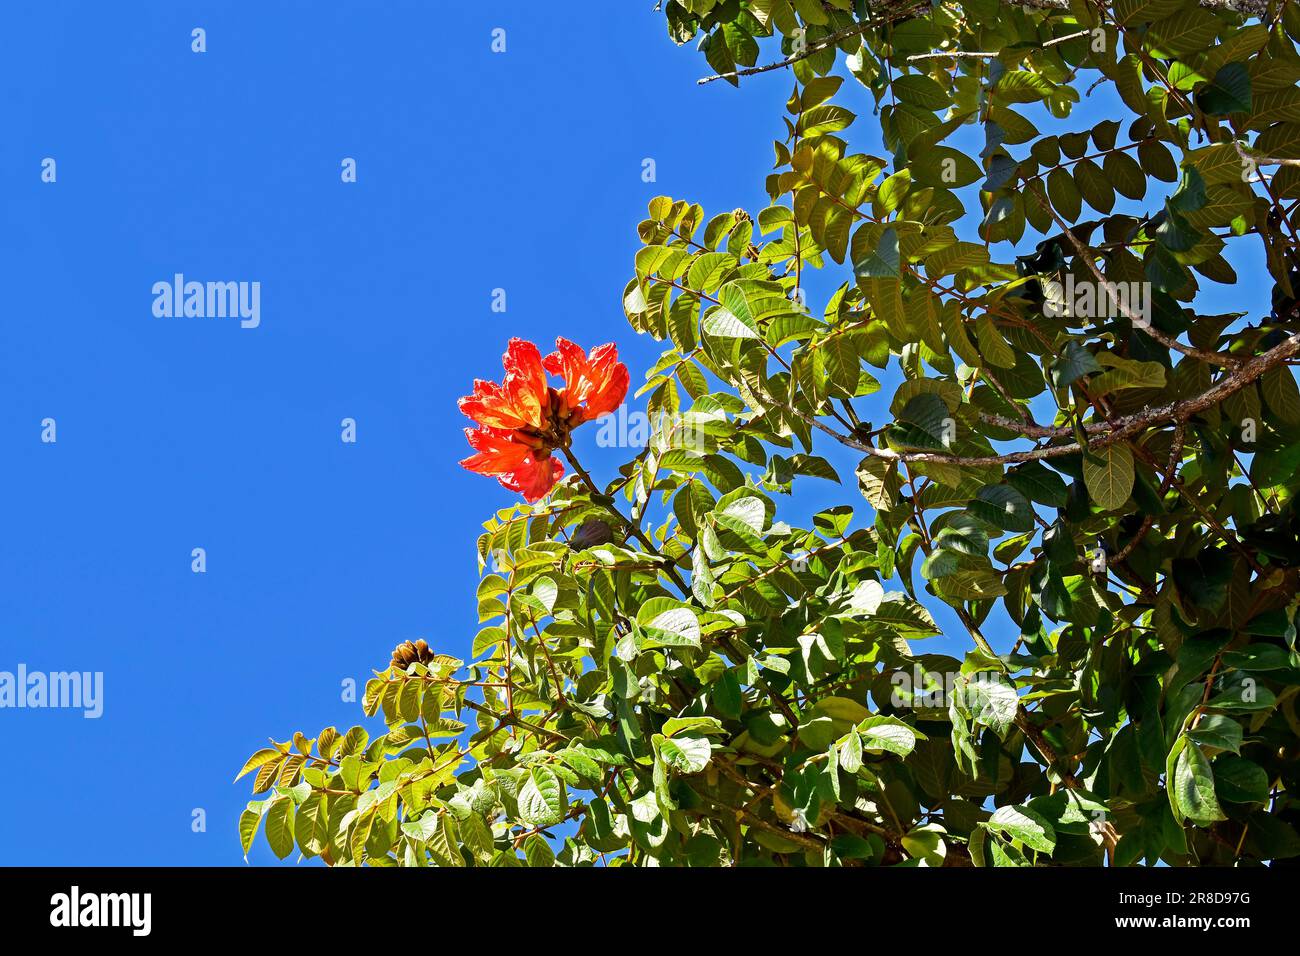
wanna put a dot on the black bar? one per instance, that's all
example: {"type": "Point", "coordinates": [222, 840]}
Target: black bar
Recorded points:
{"type": "Point", "coordinates": [315, 904]}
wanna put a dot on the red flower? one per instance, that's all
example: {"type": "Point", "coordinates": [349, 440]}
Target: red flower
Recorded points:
{"type": "Point", "coordinates": [517, 402]}
{"type": "Point", "coordinates": [522, 420]}
{"type": "Point", "coordinates": [598, 381]}
{"type": "Point", "coordinates": [519, 467]}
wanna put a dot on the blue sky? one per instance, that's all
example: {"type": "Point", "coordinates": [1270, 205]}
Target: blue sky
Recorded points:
{"type": "Point", "coordinates": [476, 171]}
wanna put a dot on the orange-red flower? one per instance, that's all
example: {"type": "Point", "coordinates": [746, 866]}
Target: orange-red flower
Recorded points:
{"type": "Point", "coordinates": [519, 400]}
{"type": "Point", "coordinates": [522, 420]}
{"type": "Point", "coordinates": [597, 382]}
{"type": "Point", "coordinates": [518, 466]}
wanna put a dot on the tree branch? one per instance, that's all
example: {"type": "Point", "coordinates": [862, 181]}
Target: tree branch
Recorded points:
{"type": "Point", "coordinates": [856, 30]}
{"type": "Point", "coordinates": [1035, 736]}
{"type": "Point", "coordinates": [1252, 8]}
{"type": "Point", "coordinates": [1264, 160]}
{"type": "Point", "coordinates": [1108, 433]}
{"type": "Point", "coordinates": [1213, 358]}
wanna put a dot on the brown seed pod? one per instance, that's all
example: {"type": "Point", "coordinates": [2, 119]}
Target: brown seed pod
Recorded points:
{"type": "Point", "coordinates": [409, 652]}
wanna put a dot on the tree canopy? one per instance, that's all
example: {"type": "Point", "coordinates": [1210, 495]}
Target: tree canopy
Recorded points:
{"type": "Point", "coordinates": [1093, 474]}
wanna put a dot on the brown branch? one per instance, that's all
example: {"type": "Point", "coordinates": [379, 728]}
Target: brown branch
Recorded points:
{"type": "Point", "coordinates": [1250, 8]}
{"type": "Point", "coordinates": [1175, 456]}
{"type": "Point", "coordinates": [939, 54]}
{"type": "Point", "coordinates": [1125, 551]}
{"type": "Point", "coordinates": [1121, 429]}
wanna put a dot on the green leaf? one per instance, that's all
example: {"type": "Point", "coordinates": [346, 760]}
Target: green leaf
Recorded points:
{"type": "Point", "coordinates": [354, 741]}
{"type": "Point", "coordinates": [1190, 30]}
{"type": "Point", "coordinates": [727, 696]}
{"type": "Point", "coordinates": [1203, 579]}
{"type": "Point", "coordinates": [880, 482]}
{"type": "Point", "coordinates": [1228, 93]}
{"type": "Point", "coordinates": [1025, 825]}
{"type": "Point", "coordinates": [1190, 782]}
{"type": "Point", "coordinates": [538, 852]}
{"type": "Point", "coordinates": [279, 826]}
{"type": "Point", "coordinates": [955, 257]}
{"type": "Point", "coordinates": [1190, 195]}
{"type": "Point", "coordinates": [542, 800]}
{"type": "Point", "coordinates": [1238, 780]}
{"type": "Point", "coordinates": [1064, 194]}
{"type": "Point", "coordinates": [444, 844]}
{"type": "Point", "coordinates": [1122, 373]}
{"type": "Point", "coordinates": [359, 835]}
{"type": "Point", "coordinates": [669, 623]}
{"type": "Point", "coordinates": [886, 734]}
{"type": "Point", "coordinates": [920, 90]}
{"type": "Point", "coordinates": [1125, 174]}
{"type": "Point", "coordinates": [312, 825]}
{"type": "Point", "coordinates": [722, 323]}
{"type": "Point", "coordinates": [926, 845]}
{"type": "Point", "coordinates": [1094, 186]}
{"type": "Point", "coordinates": [892, 191]}
{"type": "Point", "coordinates": [989, 701]}
{"type": "Point", "coordinates": [733, 318]}
{"type": "Point", "coordinates": [917, 35]}
{"type": "Point", "coordinates": [1217, 731]}
{"type": "Point", "coordinates": [1278, 387]}
{"type": "Point", "coordinates": [673, 726]}
{"type": "Point", "coordinates": [924, 422]}
{"type": "Point", "coordinates": [1074, 363]}
{"type": "Point", "coordinates": [850, 756]}
{"type": "Point", "coordinates": [1003, 507]}
{"type": "Point", "coordinates": [1021, 86]}
{"type": "Point", "coordinates": [684, 754]}
{"type": "Point", "coordinates": [249, 820]}
{"type": "Point", "coordinates": [423, 828]}
{"type": "Point", "coordinates": [709, 269]}
{"type": "Point", "coordinates": [264, 756]}
{"type": "Point", "coordinates": [992, 345]}
{"type": "Point", "coordinates": [1108, 475]}
{"type": "Point", "coordinates": [1039, 483]}
{"type": "Point", "coordinates": [964, 534]}
{"type": "Point", "coordinates": [884, 262]}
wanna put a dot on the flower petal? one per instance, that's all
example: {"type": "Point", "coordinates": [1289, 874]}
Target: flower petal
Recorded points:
{"type": "Point", "coordinates": [534, 477]}
{"type": "Point", "coordinates": [596, 384]}
{"type": "Point", "coordinates": [610, 381]}
{"type": "Point", "coordinates": [521, 400]}
{"type": "Point", "coordinates": [490, 406]}
{"type": "Point", "coordinates": [496, 452]}
{"type": "Point", "coordinates": [525, 382]}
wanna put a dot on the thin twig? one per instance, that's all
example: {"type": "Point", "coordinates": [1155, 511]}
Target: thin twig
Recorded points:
{"type": "Point", "coordinates": [939, 54]}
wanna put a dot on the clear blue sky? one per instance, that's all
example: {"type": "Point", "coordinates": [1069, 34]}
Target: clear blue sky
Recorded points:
{"type": "Point", "coordinates": [475, 171]}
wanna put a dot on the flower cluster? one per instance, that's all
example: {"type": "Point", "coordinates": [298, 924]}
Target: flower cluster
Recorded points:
{"type": "Point", "coordinates": [522, 420]}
